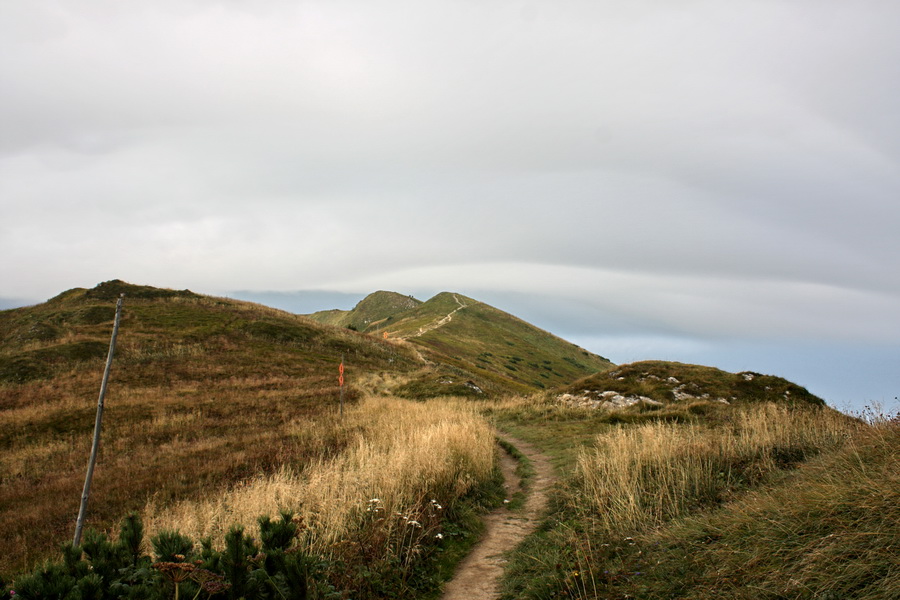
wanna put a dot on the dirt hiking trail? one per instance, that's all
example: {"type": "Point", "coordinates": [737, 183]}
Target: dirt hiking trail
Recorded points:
{"type": "Point", "coordinates": [478, 576]}
{"type": "Point", "coordinates": [438, 323]}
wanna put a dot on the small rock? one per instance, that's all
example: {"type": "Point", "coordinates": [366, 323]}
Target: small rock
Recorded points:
{"type": "Point", "coordinates": [473, 386]}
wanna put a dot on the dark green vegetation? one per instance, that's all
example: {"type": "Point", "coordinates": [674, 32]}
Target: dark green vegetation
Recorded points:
{"type": "Point", "coordinates": [103, 569]}
{"type": "Point", "coordinates": [474, 341]}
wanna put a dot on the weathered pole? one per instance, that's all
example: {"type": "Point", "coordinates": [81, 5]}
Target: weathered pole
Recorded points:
{"type": "Point", "coordinates": [79, 524]}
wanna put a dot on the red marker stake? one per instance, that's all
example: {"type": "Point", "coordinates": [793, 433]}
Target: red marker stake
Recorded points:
{"type": "Point", "coordinates": [341, 383]}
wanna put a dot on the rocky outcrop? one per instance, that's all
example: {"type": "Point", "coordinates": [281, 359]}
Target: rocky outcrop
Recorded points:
{"type": "Point", "coordinates": [605, 400]}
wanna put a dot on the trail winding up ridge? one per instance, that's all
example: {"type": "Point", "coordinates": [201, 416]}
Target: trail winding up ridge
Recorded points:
{"type": "Point", "coordinates": [440, 322]}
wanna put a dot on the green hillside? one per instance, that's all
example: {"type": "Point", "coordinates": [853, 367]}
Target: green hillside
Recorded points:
{"type": "Point", "coordinates": [492, 347]}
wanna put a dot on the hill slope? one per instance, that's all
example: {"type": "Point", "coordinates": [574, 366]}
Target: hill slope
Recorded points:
{"type": "Point", "coordinates": [204, 392]}
{"type": "Point", "coordinates": [490, 345]}
{"type": "Point", "coordinates": [370, 312]}
{"type": "Point", "coordinates": [657, 383]}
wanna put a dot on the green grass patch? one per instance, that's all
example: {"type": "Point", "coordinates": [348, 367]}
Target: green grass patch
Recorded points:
{"type": "Point", "coordinates": [524, 471]}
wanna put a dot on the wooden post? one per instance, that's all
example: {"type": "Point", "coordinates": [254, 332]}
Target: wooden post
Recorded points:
{"type": "Point", "coordinates": [79, 524]}
{"type": "Point", "coordinates": [341, 381]}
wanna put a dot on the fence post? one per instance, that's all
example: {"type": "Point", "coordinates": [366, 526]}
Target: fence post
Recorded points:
{"type": "Point", "coordinates": [79, 524]}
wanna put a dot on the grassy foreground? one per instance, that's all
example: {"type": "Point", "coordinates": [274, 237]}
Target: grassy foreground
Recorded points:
{"type": "Point", "coordinates": [756, 501]}
{"type": "Point", "coordinates": [382, 498]}
{"type": "Point", "coordinates": [377, 517]}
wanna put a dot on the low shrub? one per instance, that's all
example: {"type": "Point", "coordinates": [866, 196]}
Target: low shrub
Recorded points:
{"type": "Point", "coordinates": [105, 570]}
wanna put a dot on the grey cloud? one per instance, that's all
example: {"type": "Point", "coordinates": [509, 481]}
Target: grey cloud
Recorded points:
{"type": "Point", "coordinates": [691, 168]}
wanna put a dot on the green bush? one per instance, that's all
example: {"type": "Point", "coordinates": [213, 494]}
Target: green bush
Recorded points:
{"type": "Point", "coordinates": [171, 546]}
{"type": "Point", "coordinates": [104, 570]}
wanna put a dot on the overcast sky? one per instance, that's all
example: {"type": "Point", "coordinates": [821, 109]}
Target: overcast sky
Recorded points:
{"type": "Point", "coordinates": [704, 181]}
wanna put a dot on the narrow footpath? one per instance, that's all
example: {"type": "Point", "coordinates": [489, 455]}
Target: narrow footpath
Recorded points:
{"type": "Point", "coordinates": [440, 322]}
{"type": "Point", "coordinates": [478, 576]}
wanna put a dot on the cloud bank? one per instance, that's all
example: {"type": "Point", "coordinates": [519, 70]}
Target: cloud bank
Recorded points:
{"type": "Point", "coordinates": [696, 170]}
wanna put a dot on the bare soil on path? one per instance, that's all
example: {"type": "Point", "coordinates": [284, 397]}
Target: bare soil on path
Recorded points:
{"type": "Point", "coordinates": [478, 576]}
{"type": "Point", "coordinates": [440, 322]}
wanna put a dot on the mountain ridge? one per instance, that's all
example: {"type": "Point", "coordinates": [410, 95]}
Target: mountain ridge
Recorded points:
{"type": "Point", "coordinates": [474, 336]}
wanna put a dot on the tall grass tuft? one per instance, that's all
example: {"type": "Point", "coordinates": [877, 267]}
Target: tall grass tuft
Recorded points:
{"type": "Point", "coordinates": [638, 476]}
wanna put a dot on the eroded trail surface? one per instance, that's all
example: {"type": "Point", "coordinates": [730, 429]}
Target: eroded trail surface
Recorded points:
{"type": "Point", "coordinates": [478, 575]}
{"type": "Point", "coordinates": [440, 322]}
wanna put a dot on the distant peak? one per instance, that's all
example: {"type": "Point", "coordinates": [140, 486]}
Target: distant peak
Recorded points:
{"type": "Point", "coordinates": [387, 298]}
{"type": "Point", "coordinates": [109, 290]}
{"type": "Point", "coordinates": [453, 297]}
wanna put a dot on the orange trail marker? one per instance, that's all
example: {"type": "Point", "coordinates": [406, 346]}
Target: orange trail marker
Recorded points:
{"type": "Point", "coordinates": [341, 382]}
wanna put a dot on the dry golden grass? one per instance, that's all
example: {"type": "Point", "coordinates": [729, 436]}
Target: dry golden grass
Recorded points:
{"type": "Point", "coordinates": [402, 453]}
{"type": "Point", "coordinates": [826, 529]}
{"type": "Point", "coordinates": [177, 441]}
{"type": "Point", "coordinates": [651, 472]}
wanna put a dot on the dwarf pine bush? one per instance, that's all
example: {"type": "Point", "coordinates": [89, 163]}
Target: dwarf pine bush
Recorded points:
{"type": "Point", "coordinates": [171, 546]}
{"type": "Point", "coordinates": [105, 570]}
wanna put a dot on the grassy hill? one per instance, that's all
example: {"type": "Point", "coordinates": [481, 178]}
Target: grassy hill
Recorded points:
{"type": "Point", "coordinates": [474, 341]}
{"type": "Point", "coordinates": [370, 312]}
{"type": "Point", "coordinates": [204, 392]}
{"type": "Point", "coordinates": [663, 383]}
